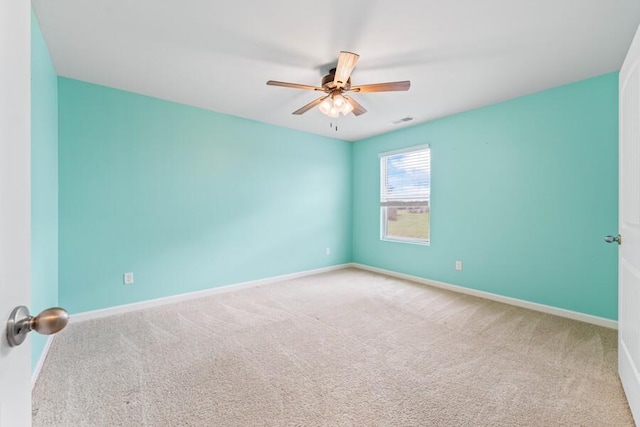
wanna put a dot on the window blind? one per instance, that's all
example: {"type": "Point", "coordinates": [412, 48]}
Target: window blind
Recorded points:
{"type": "Point", "coordinates": [406, 178]}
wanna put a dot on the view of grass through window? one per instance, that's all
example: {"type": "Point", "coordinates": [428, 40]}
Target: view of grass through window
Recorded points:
{"type": "Point", "coordinates": [405, 179]}
{"type": "Point", "coordinates": [405, 223]}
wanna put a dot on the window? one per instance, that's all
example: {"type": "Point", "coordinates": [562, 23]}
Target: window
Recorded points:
{"type": "Point", "coordinates": [405, 189]}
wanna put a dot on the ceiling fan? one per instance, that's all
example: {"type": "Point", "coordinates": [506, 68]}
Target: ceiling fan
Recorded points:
{"type": "Point", "coordinates": [336, 84]}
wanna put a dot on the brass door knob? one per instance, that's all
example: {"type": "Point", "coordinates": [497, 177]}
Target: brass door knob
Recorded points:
{"type": "Point", "coordinates": [48, 322]}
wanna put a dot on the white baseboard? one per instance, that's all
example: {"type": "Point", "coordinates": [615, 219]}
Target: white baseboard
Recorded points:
{"type": "Point", "coordinates": [43, 356]}
{"type": "Point", "coordinates": [126, 308]}
{"type": "Point", "coordinates": [587, 318]}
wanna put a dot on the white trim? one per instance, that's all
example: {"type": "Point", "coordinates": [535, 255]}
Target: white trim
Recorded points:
{"type": "Point", "coordinates": [43, 356]}
{"type": "Point", "coordinates": [587, 318]}
{"type": "Point", "coordinates": [388, 200]}
{"type": "Point", "coordinates": [411, 241]}
{"type": "Point", "coordinates": [126, 308]}
{"type": "Point", "coordinates": [404, 150]}
{"type": "Point", "coordinates": [627, 369]}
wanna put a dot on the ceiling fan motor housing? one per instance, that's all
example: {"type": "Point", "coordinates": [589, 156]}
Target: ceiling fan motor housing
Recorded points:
{"type": "Point", "coordinates": [327, 81]}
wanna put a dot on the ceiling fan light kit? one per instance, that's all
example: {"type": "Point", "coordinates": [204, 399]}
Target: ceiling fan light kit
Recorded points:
{"type": "Point", "coordinates": [336, 84]}
{"type": "Point", "coordinates": [335, 104]}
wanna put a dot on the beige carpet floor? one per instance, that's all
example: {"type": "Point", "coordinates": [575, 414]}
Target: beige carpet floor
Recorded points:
{"type": "Point", "coordinates": [346, 348]}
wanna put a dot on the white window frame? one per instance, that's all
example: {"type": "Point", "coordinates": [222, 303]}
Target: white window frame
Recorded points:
{"type": "Point", "coordinates": [413, 201]}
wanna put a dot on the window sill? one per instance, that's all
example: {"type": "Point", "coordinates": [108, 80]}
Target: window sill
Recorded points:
{"type": "Point", "coordinates": [407, 240]}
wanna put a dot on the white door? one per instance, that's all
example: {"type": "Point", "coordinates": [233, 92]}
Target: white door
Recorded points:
{"type": "Point", "coordinates": [15, 215]}
{"type": "Point", "coordinates": [629, 219]}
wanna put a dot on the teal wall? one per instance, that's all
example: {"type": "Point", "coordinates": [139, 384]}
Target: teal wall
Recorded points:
{"type": "Point", "coordinates": [523, 192]}
{"type": "Point", "coordinates": [44, 182]}
{"type": "Point", "coordinates": [189, 199]}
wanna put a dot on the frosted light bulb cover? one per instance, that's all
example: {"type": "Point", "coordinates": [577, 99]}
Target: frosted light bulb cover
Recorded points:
{"type": "Point", "coordinates": [347, 108]}
{"type": "Point", "coordinates": [339, 101]}
{"type": "Point", "coordinates": [325, 106]}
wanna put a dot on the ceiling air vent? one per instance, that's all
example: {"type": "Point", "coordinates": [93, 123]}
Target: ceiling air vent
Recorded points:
{"type": "Point", "coordinates": [403, 120]}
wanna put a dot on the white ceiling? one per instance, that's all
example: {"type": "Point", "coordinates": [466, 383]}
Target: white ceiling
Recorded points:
{"type": "Point", "coordinates": [218, 55]}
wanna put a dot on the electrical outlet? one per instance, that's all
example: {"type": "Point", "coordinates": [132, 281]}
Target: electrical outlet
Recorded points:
{"type": "Point", "coordinates": [128, 278]}
{"type": "Point", "coordinates": [459, 265]}
{"type": "Point", "coordinates": [328, 251]}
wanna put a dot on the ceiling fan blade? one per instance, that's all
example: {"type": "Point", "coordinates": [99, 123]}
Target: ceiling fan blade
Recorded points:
{"type": "Point", "coordinates": [294, 85]}
{"type": "Point", "coordinates": [382, 87]}
{"type": "Point", "coordinates": [346, 63]}
{"type": "Point", "coordinates": [310, 105]}
{"type": "Point", "coordinates": [358, 109]}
